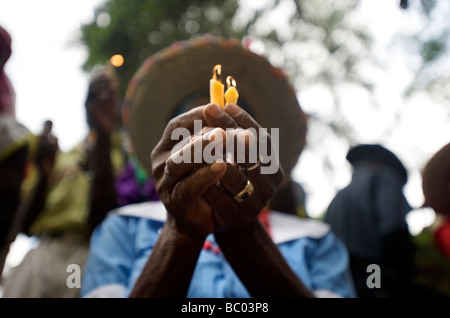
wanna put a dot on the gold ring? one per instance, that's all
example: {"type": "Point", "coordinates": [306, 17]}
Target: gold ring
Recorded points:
{"type": "Point", "coordinates": [245, 193]}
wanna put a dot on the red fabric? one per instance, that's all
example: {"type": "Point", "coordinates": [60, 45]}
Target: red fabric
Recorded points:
{"type": "Point", "coordinates": [442, 238]}
{"type": "Point", "coordinates": [208, 245]}
{"type": "Point", "coordinates": [264, 218]}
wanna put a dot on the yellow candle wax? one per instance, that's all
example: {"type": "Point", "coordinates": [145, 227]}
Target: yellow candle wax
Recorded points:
{"type": "Point", "coordinates": [216, 87]}
{"type": "Point", "coordinates": [231, 95]}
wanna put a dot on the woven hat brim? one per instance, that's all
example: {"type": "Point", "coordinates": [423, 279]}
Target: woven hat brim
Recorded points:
{"type": "Point", "coordinates": [436, 181]}
{"type": "Point", "coordinates": [172, 75]}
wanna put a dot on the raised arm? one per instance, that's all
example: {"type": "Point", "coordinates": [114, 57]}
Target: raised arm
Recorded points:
{"type": "Point", "coordinates": [198, 205]}
{"type": "Point", "coordinates": [101, 104]}
{"type": "Point", "coordinates": [246, 244]}
{"type": "Point", "coordinates": [190, 219]}
{"type": "Point", "coordinates": [33, 204]}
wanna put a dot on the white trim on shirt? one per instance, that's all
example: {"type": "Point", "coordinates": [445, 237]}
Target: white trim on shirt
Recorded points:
{"type": "Point", "coordinates": [154, 210]}
{"type": "Point", "coordinates": [287, 227]}
{"type": "Point", "coordinates": [284, 227]}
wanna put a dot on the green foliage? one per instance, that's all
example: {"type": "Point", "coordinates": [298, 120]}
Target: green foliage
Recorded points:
{"type": "Point", "coordinates": [432, 268]}
{"type": "Point", "coordinates": [431, 43]}
{"type": "Point", "coordinates": [137, 29]}
{"type": "Point", "coordinates": [432, 49]}
{"type": "Point", "coordinates": [428, 6]}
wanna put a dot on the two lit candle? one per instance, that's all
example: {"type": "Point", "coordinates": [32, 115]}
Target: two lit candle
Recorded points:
{"type": "Point", "coordinates": [216, 88]}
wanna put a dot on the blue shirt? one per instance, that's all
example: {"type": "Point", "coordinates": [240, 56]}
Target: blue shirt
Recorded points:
{"type": "Point", "coordinates": [121, 245]}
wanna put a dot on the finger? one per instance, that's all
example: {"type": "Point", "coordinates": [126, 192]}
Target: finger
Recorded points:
{"type": "Point", "coordinates": [193, 156]}
{"type": "Point", "coordinates": [233, 180]}
{"type": "Point", "coordinates": [248, 163]}
{"type": "Point", "coordinates": [225, 208]}
{"type": "Point", "coordinates": [183, 125]}
{"type": "Point", "coordinates": [241, 147]}
{"type": "Point", "coordinates": [215, 116]}
{"type": "Point", "coordinates": [53, 141]}
{"type": "Point", "coordinates": [178, 128]}
{"type": "Point", "coordinates": [197, 183]}
{"type": "Point", "coordinates": [203, 131]}
{"type": "Point", "coordinates": [186, 120]}
{"type": "Point", "coordinates": [48, 125]}
{"type": "Point", "coordinates": [248, 138]}
{"type": "Point", "coordinates": [172, 141]}
{"type": "Point", "coordinates": [229, 211]}
{"type": "Point", "coordinates": [241, 117]}
{"type": "Point", "coordinates": [267, 150]}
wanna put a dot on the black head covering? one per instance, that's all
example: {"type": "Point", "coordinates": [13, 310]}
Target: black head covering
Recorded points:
{"type": "Point", "coordinates": [379, 153]}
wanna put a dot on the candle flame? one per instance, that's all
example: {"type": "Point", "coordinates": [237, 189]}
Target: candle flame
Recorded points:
{"type": "Point", "coordinates": [231, 81]}
{"type": "Point", "coordinates": [217, 71]}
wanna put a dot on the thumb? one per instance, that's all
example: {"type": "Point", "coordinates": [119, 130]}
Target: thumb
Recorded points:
{"type": "Point", "coordinates": [47, 129]}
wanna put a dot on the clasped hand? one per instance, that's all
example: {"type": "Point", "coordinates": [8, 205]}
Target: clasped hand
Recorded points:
{"type": "Point", "coordinates": [200, 196]}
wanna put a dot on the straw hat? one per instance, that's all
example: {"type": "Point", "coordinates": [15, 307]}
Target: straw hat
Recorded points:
{"type": "Point", "coordinates": [436, 181]}
{"type": "Point", "coordinates": [379, 153]}
{"type": "Point", "coordinates": [169, 78]}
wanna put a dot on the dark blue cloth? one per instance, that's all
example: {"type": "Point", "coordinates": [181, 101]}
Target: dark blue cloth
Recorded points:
{"type": "Point", "coordinates": [371, 208]}
{"type": "Point", "coordinates": [369, 216]}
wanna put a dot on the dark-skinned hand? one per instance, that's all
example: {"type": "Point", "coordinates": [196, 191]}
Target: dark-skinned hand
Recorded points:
{"type": "Point", "coordinates": [196, 204]}
{"type": "Point", "coordinates": [233, 215]}
{"type": "Point", "coordinates": [47, 149]}
{"type": "Point", "coordinates": [101, 102]}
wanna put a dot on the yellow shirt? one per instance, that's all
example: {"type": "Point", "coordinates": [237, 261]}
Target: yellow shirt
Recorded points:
{"type": "Point", "coordinates": [66, 206]}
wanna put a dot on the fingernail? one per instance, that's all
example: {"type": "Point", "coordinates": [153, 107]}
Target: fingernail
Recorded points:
{"type": "Point", "coordinates": [232, 109]}
{"type": "Point", "coordinates": [217, 166]}
{"type": "Point", "coordinates": [214, 110]}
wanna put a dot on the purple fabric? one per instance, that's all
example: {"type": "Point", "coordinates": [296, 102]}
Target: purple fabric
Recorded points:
{"type": "Point", "coordinates": [128, 188]}
{"type": "Point", "coordinates": [5, 47]}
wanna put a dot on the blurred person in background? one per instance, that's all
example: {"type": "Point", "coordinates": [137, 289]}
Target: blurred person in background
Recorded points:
{"type": "Point", "coordinates": [369, 216]}
{"type": "Point", "coordinates": [68, 194]}
{"type": "Point", "coordinates": [436, 190]}
{"type": "Point", "coordinates": [15, 149]}
{"type": "Point", "coordinates": [14, 152]}
{"type": "Point", "coordinates": [290, 198]}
